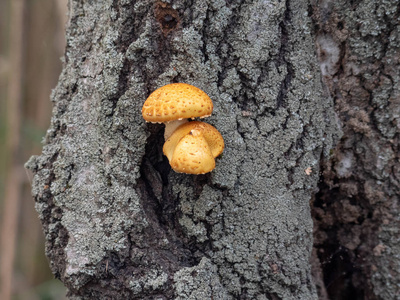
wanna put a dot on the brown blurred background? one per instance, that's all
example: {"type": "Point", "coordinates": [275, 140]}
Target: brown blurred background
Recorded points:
{"type": "Point", "coordinates": [31, 44]}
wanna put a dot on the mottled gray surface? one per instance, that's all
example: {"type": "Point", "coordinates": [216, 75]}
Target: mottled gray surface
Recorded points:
{"type": "Point", "coordinates": [358, 210]}
{"type": "Point", "coordinates": [118, 222]}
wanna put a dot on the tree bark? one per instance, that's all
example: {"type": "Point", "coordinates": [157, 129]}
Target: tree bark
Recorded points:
{"type": "Point", "coordinates": [119, 223]}
{"type": "Point", "coordinates": [357, 209]}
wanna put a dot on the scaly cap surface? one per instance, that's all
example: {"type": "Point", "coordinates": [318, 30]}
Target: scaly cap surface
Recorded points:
{"type": "Point", "coordinates": [192, 148]}
{"type": "Point", "coordinates": [176, 101]}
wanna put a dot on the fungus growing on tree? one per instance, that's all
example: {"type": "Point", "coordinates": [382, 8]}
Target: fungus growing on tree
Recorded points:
{"type": "Point", "coordinates": [174, 103]}
{"type": "Point", "coordinates": [193, 147]}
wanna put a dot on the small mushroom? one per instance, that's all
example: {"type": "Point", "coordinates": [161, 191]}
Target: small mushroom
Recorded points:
{"type": "Point", "coordinates": [193, 147]}
{"type": "Point", "coordinates": [174, 103]}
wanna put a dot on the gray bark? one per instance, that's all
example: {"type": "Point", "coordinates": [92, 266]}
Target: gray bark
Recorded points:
{"type": "Point", "coordinates": [120, 224]}
{"type": "Point", "coordinates": [357, 210]}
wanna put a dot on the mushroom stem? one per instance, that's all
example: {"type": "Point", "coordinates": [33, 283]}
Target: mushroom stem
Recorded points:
{"type": "Point", "coordinates": [171, 126]}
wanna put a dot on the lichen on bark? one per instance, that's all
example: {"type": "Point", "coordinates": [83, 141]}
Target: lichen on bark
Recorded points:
{"type": "Point", "coordinates": [118, 222]}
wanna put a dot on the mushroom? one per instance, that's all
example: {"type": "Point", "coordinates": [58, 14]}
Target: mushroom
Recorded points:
{"type": "Point", "coordinates": [193, 147]}
{"type": "Point", "coordinates": [174, 103]}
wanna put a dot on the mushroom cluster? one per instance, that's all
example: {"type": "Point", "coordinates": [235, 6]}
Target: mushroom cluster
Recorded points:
{"type": "Point", "coordinates": [191, 147]}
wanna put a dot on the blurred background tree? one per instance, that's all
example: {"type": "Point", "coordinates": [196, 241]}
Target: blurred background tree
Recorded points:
{"type": "Point", "coordinates": [31, 44]}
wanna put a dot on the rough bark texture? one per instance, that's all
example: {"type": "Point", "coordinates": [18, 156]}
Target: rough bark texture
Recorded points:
{"type": "Point", "coordinates": [119, 223]}
{"type": "Point", "coordinates": [357, 210]}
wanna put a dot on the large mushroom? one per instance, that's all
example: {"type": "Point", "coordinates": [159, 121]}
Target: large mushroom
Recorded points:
{"type": "Point", "coordinates": [174, 103]}
{"type": "Point", "coordinates": [193, 147]}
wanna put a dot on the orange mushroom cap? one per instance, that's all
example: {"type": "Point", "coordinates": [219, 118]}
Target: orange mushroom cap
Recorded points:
{"type": "Point", "coordinates": [176, 101]}
{"type": "Point", "coordinates": [192, 148]}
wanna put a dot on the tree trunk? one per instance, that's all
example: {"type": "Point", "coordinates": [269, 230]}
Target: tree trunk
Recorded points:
{"type": "Point", "coordinates": [120, 224]}
{"type": "Point", "coordinates": [357, 209]}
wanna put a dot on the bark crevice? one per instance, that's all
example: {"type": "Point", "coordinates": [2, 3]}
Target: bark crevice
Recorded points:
{"type": "Point", "coordinates": [351, 210]}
